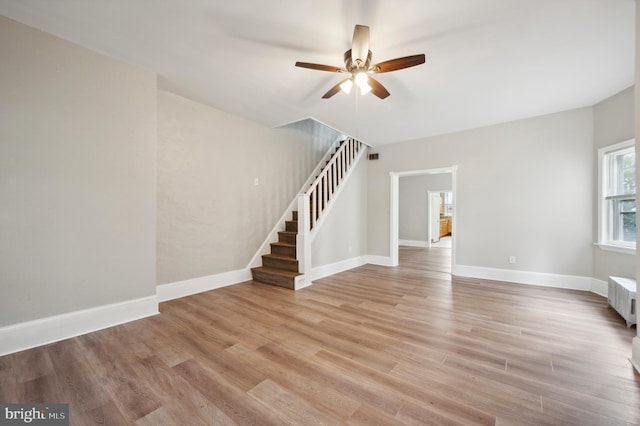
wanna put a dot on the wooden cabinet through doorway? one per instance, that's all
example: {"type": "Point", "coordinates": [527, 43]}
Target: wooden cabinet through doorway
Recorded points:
{"type": "Point", "coordinates": [445, 227]}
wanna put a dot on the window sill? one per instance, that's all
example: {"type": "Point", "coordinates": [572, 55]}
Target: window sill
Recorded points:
{"type": "Point", "coordinates": [617, 249]}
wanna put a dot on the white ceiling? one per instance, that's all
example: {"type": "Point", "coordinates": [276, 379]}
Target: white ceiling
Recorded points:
{"type": "Point", "coordinates": [488, 61]}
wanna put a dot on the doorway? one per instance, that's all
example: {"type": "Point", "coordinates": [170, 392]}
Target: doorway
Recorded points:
{"type": "Point", "coordinates": [394, 210]}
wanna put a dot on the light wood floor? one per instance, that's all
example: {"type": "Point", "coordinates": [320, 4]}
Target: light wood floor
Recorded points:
{"type": "Point", "coordinates": [372, 345]}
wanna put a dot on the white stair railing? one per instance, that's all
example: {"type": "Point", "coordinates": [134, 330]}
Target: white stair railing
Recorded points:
{"type": "Point", "coordinates": [313, 204]}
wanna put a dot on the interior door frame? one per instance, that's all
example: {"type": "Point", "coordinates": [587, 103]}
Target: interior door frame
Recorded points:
{"type": "Point", "coordinates": [394, 197]}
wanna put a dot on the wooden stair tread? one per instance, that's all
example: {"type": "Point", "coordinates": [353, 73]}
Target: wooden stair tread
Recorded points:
{"type": "Point", "coordinates": [281, 244]}
{"type": "Point", "coordinates": [280, 257]}
{"type": "Point", "coordinates": [279, 272]}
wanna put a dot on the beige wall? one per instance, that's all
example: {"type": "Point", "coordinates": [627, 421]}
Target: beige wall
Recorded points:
{"type": "Point", "coordinates": [613, 122]}
{"type": "Point", "coordinates": [212, 218]}
{"type": "Point", "coordinates": [524, 188]}
{"type": "Point", "coordinates": [77, 177]}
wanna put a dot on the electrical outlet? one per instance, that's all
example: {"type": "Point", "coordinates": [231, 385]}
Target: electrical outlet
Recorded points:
{"type": "Point", "coordinates": [256, 181]}
{"type": "Point", "coordinates": [512, 259]}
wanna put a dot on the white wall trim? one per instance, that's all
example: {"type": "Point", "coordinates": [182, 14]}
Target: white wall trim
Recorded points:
{"type": "Point", "coordinates": [380, 260]}
{"type": "Point", "coordinates": [302, 281]}
{"type": "Point", "coordinates": [414, 243]}
{"type": "Point", "coordinates": [525, 277]}
{"type": "Point", "coordinates": [394, 218]}
{"type": "Point", "coordinates": [26, 335]}
{"type": "Point", "coordinates": [335, 268]}
{"type": "Point", "coordinates": [394, 201]}
{"type": "Point", "coordinates": [602, 191]}
{"type": "Point", "coordinates": [198, 285]}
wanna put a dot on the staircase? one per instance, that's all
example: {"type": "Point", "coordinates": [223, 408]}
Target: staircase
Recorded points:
{"type": "Point", "coordinates": [290, 256]}
{"type": "Point", "coordinates": [280, 267]}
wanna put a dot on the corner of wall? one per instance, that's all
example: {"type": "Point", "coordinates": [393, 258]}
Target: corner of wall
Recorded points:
{"type": "Point", "coordinates": [599, 287]}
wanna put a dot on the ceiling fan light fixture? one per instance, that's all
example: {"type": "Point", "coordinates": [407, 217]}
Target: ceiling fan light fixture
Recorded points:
{"type": "Point", "coordinates": [346, 86]}
{"type": "Point", "coordinates": [364, 88]}
{"type": "Point", "coordinates": [360, 78]}
{"type": "Point", "coordinates": [357, 62]}
{"type": "Point", "coordinates": [362, 81]}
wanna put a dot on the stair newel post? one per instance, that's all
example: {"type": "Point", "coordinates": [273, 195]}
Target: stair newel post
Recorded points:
{"type": "Point", "coordinates": [303, 239]}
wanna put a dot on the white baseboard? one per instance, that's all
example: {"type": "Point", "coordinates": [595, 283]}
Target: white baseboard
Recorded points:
{"type": "Point", "coordinates": [379, 260]}
{"type": "Point", "coordinates": [600, 287]}
{"type": "Point", "coordinates": [334, 268]}
{"type": "Point", "coordinates": [414, 243]}
{"type": "Point", "coordinates": [525, 277]}
{"type": "Point", "coordinates": [26, 335]}
{"type": "Point", "coordinates": [198, 285]}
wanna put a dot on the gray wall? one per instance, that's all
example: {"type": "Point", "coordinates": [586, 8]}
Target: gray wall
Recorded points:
{"type": "Point", "coordinates": [212, 218]}
{"type": "Point", "coordinates": [77, 177]}
{"type": "Point", "coordinates": [524, 188]}
{"type": "Point", "coordinates": [412, 203]}
{"type": "Point", "coordinates": [343, 235]}
{"type": "Point", "coordinates": [613, 121]}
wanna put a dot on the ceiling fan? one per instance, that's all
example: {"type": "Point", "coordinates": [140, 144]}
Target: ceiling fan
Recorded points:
{"type": "Point", "coordinates": [357, 62]}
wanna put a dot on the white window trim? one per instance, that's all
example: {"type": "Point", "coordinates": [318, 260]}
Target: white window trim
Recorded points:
{"type": "Point", "coordinates": [602, 240]}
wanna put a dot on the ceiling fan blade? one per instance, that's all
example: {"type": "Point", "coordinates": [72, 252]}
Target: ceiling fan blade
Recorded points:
{"type": "Point", "coordinates": [360, 45]}
{"type": "Point", "coordinates": [377, 88]}
{"type": "Point", "coordinates": [335, 89]}
{"type": "Point", "coordinates": [398, 63]}
{"type": "Point", "coordinates": [320, 67]}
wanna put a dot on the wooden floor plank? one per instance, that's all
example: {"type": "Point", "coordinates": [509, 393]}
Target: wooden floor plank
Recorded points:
{"type": "Point", "coordinates": [235, 404]}
{"type": "Point", "coordinates": [478, 393]}
{"type": "Point", "coordinates": [371, 345]}
{"type": "Point", "coordinates": [369, 415]}
{"type": "Point", "coordinates": [431, 401]}
{"type": "Point", "coordinates": [295, 409]}
{"type": "Point", "coordinates": [334, 378]}
{"type": "Point", "coordinates": [326, 398]}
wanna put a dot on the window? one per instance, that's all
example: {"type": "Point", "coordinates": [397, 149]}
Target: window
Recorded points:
{"type": "Point", "coordinates": [617, 213]}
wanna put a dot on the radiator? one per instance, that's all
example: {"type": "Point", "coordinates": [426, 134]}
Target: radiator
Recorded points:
{"type": "Point", "coordinates": [622, 298]}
